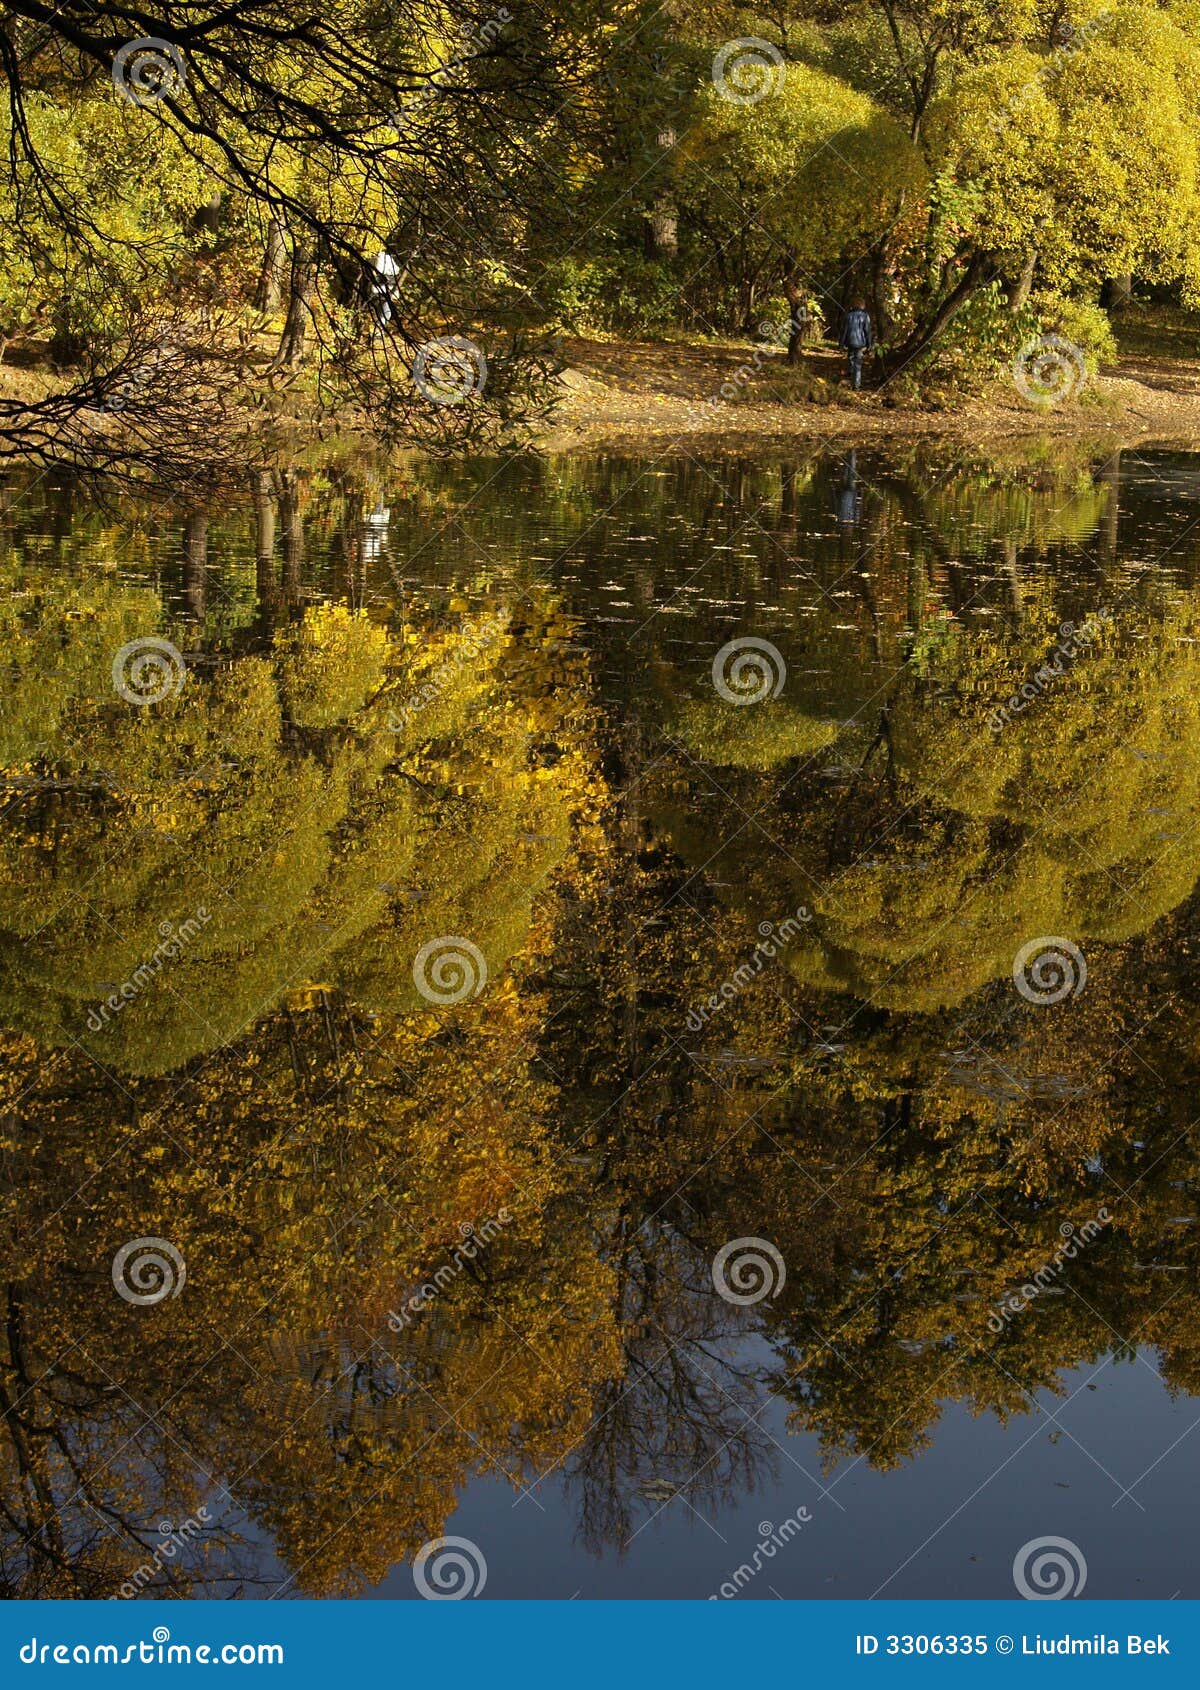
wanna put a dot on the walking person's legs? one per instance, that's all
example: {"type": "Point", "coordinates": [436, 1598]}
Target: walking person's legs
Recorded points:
{"type": "Point", "coordinates": [380, 306]}
{"type": "Point", "coordinates": [856, 366]}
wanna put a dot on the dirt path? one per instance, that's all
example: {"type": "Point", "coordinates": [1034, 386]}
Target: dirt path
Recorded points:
{"type": "Point", "coordinates": [628, 392]}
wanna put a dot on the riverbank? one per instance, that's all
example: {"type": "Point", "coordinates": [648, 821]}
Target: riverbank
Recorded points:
{"type": "Point", "coordinates": [622, 393]}
{"type": "Point", "coordinates": [628, 394]}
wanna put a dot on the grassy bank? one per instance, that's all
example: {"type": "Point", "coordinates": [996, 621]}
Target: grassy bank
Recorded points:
{"type": "Point", "coordinates": [622, 391]}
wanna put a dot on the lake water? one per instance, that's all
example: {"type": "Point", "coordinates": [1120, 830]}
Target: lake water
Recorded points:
{"type": "Point", "coordinates": [638, 1013]}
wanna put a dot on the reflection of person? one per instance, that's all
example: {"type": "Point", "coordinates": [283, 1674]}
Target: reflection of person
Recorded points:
{"type": "Point", "coordinates": [375, 531]}
{"type": "Point", "coordinates": [857, 339]}
{"type": "Point", "coordinates": [848, 500]}
{"type": "Point", "coordinates": [381, 286]}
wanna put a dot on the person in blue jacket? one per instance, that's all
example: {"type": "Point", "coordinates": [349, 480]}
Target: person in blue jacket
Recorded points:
{"type": "Point", "coordinates": [857, 339]}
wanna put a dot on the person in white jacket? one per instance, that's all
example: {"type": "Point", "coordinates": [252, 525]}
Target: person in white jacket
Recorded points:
{"type": "Point", "coordinates": [381, 287]}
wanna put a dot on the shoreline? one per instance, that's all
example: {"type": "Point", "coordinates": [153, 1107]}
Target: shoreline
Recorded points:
{"type": "Point", "coordinates": [626, 396]}
{"type": "Point", "coordinates": [622, 394]}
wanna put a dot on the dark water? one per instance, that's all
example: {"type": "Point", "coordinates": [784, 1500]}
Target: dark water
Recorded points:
{"type": "Point", "coordinates": [638, 1013]}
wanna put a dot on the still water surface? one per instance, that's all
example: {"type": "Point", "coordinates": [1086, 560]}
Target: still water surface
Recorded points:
{"type": "Point", "coordinates": [632, 1000]}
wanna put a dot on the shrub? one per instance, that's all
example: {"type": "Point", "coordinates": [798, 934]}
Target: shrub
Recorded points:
{"type": "Point", "coordinates": [1079, 321]}
{"type": "Point", "coordinates": [986, 336]}
{"type": "Point", "coordinates": [615, 294]}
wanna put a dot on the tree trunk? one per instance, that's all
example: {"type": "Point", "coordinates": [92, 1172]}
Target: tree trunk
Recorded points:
{"type": "Point", "coordinates": [1117, 293]}
{"type": "Point", "coordinates": [662, 229]}
{"type": "Point", "coordinates": [301, 298]}
{"type": "Point", "coordinates": [206, 219]}
{"type": "Point", "coordinates": [293, 538]}
{"type": "Point", "coordinates": [1019, 287]}
{"type": "Point", "coordinates": [1013, 576]}
{"type": "Point", "coordinates": [924, 335]}
{"type": "Point", "coordinates": [1110, 477]}
{"type": "Point", "coordinates": [662, 220]}
{"type": "Point", "coordinates": [881, 305]}
{"type": "Point", "coordinates": [195, 564]}
{"type": "Point", "coordinates": [264, 550]}
{"type": "Point", "coordinates": [270, 282]}
{"type": "Point", "coordinates": [797, 319]}
{"type": "Point", "coordinates": [67, 345]}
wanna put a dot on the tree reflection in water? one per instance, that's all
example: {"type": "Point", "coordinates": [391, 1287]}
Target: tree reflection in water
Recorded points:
{"type": "Point", "coordinates": [515, 758]}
